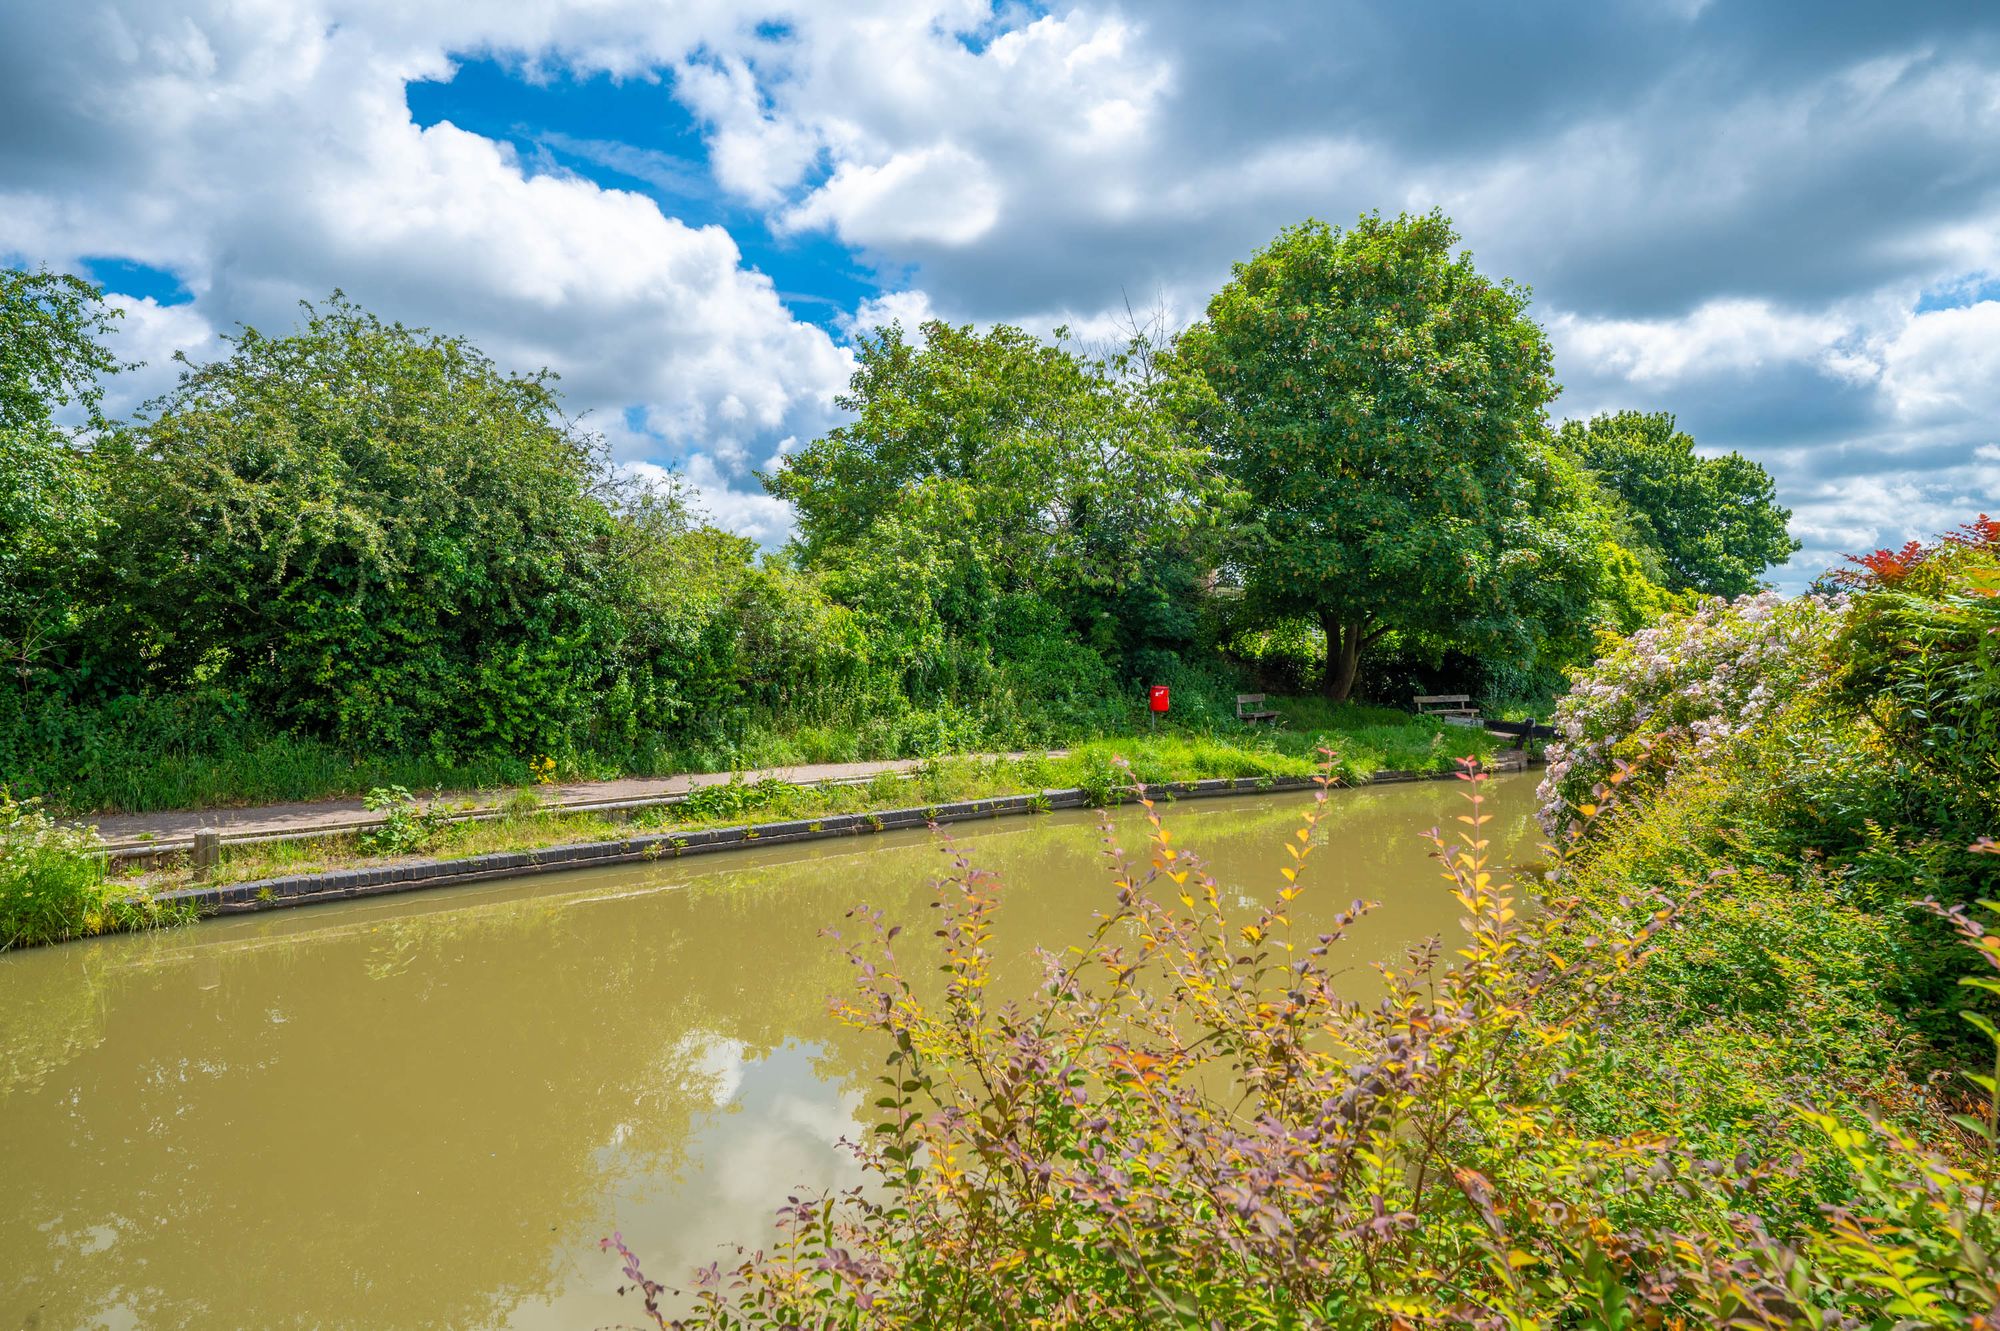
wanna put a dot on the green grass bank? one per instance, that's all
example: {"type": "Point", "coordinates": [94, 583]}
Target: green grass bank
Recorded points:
{"type": "Point", "coordinates": [65, 892]}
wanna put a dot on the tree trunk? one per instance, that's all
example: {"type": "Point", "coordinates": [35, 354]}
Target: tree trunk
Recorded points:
{"type": "Point", "coordinates": [1343, 656]}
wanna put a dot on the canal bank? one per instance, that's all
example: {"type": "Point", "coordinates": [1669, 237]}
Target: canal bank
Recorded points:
{"type": "Point", "coordinates": [299, 889]}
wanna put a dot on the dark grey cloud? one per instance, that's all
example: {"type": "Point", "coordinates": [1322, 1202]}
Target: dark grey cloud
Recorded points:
{"type": "Point", "coordinates": [1785, 406]}
{"type": "Point", "coordinates": [1657, 160]}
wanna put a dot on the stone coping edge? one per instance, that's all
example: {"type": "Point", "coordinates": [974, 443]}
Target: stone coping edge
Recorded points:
{"type": "Point", "coordinates": [414, 875]}
{"type": "Point", "coordinates": [153, 851]}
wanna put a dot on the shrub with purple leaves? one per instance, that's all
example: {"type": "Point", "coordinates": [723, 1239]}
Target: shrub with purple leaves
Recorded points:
{"type": "Point", "coordinates": [1188, 1127]}
{"type": "Point", "coordinates": [1679, 693]}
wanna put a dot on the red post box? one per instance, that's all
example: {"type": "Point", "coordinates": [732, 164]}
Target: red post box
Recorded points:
{"type": "Point", "coordinates": [1157, 697]}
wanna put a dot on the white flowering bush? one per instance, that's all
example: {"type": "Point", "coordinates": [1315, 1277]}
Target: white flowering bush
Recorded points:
{"type": "Point", "coordinates": [1678, 693]}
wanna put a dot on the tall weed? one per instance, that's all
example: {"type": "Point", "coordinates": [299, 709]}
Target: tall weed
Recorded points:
{"type": "Point", "coordinates": [53, 884]}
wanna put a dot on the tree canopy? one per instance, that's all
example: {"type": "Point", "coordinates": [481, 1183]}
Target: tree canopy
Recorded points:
{"type": "Point", "coordinates": [1714, 524]}
{"type": "Point", "coordinates": [1376, 398]}
{"type": "Point", "coordinates": [982, 471]}
{"type": "Point", "coordinates": [52, 352]}
{"type": "Point", "coordinates": [374, 539]}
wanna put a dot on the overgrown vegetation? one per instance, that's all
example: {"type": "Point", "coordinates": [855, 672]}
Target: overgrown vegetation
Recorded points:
{"type": "Point", "coordinates": [1729, 1072]}
{"type": "Point", "coordinates": [356, 555]}
{"type": "Point", "coordinates": [1718, 1078]}
{"type": "Point", "coordinates": [53, 884]}
{"type": "Point", "coordinates": [1377, 353]}
{"type": "Point", "coordinates": [406, 826]}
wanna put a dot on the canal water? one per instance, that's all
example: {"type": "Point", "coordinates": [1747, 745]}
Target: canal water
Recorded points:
{"type": "Point", "coordinates": [424, 1111]}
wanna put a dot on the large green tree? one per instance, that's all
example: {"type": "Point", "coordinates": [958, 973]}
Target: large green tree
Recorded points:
{"type": "Point", "coordinates": [1378, 400]}
{"type": "Point", "coordinates": [982, 471]}
{"type": "Point", "coordinates": [1714, 524]}
{"type": "Point", "coordinates": [52, 353]}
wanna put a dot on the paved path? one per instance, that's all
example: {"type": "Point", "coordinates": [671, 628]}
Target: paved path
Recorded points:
{"type": "Point", "coordinates": [156, 829]}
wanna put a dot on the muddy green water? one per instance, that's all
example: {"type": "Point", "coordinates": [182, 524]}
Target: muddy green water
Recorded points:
{"type": "Point", "coordinates": [423, 1111]}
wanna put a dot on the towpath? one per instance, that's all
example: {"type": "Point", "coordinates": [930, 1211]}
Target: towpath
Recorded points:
{"type": "Point", "coordinates": [127, 830]}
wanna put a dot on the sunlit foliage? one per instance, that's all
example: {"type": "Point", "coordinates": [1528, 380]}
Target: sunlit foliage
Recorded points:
{"type": "Point", "coordinates": [1735, 1069]}
{"type": "Point", "coordinates": [53, 885]}
{"type": "Point", "coordinates": [1381, 403]}
{"type": "Point", "coordinates": [52, 352]}
{"type": "Point", "coordinates": [1188, 1127]}
{"type": "Point", "coordinates": [1713, 525]}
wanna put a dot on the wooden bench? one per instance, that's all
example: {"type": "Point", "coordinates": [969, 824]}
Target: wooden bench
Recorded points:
{"type": "Point", "coordinates": [1255, 712]}
{"type": "Point", "coordinates": [1454, 709]}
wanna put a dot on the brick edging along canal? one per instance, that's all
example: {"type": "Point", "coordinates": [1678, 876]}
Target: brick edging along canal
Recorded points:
{"type": "Point", "coordinates": [340, 884]}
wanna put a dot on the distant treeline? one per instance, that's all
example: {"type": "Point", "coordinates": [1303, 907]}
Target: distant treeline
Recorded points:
{"type": "Point", "coordinates": [372, 539]}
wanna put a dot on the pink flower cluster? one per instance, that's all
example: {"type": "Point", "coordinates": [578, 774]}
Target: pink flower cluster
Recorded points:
{"type": "Point", "coordinates": [1686, 687]}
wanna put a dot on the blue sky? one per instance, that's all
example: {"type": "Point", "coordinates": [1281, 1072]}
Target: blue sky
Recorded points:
{"type": "Point", "coordinates": [128, 277]}
{"type": "Point", "coordinates": [630, 134]}
{"type": "Point", "coordinates": [1780, 222]}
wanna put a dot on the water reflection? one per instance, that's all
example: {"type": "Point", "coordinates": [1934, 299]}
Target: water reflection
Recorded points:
{"type": "Point", "coordinates": [424, 1111]}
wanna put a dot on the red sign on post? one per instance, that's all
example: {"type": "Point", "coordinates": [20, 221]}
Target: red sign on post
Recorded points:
{"type": "Point", "coordinates": [1157, 697]}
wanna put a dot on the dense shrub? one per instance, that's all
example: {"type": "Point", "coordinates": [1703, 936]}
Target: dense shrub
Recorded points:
{"type": "Point", "coordinates": [1166, 1136]}
{"type": "Point", "coordinates": [52, 332]}
{"type": "Point", "coordinates": [378, 537]}
{"type": "Point", "coordinates": [1920, 653]}
{"type": "Point", "coordinates": [1819, 754]}
{"type": "Point", "coordinates": [1785, 981]}
{"type": "Point", "coordinates": [1677, 693]}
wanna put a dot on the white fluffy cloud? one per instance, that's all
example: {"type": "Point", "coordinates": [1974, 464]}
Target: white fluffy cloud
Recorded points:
{"type": "Point", "coordinates": [1728, 225]}
{"type": "Point", "coordinates": [270, 156]}
{"type": "Point", "coordinates": [755, 514]}
{"type": "Point", "coordinates": [1943, 366]}
{"type": "Point", "coordinates": [938, 194]}
{"type": "Point", "coordinates": [752, 152]}
{"type": "Point", "coordinates": [759, 516]}
{"type": "Point", "coordinates": [927, 140]}
{"type": "Point", "coordinates": [911, 309]}
{"type": "Point", "coordinates": [1723, 336]}
{"type": "Point", "coordinates": [1838, 515]}
{"type": "Point", "coordinates": [1918, 452]}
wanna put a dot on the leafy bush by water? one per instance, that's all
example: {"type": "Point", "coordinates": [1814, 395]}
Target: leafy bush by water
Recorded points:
{"type": "Point", "coordinates": [1188, 1127]}
{"type": "Point", "coordinates": [406, 827]}
{"type": "Point", "coordinates": [1679, 692]}
{"type": "Point", "coordinates": [52, 881]}
{"type": "Point", "coordinates": [735, 798]}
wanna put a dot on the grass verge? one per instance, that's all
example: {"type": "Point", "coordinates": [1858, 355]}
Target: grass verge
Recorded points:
{"type": "Point", "coordinates": [156, 758]}
{"type": "Point", "coordinates": [1412, 746]}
